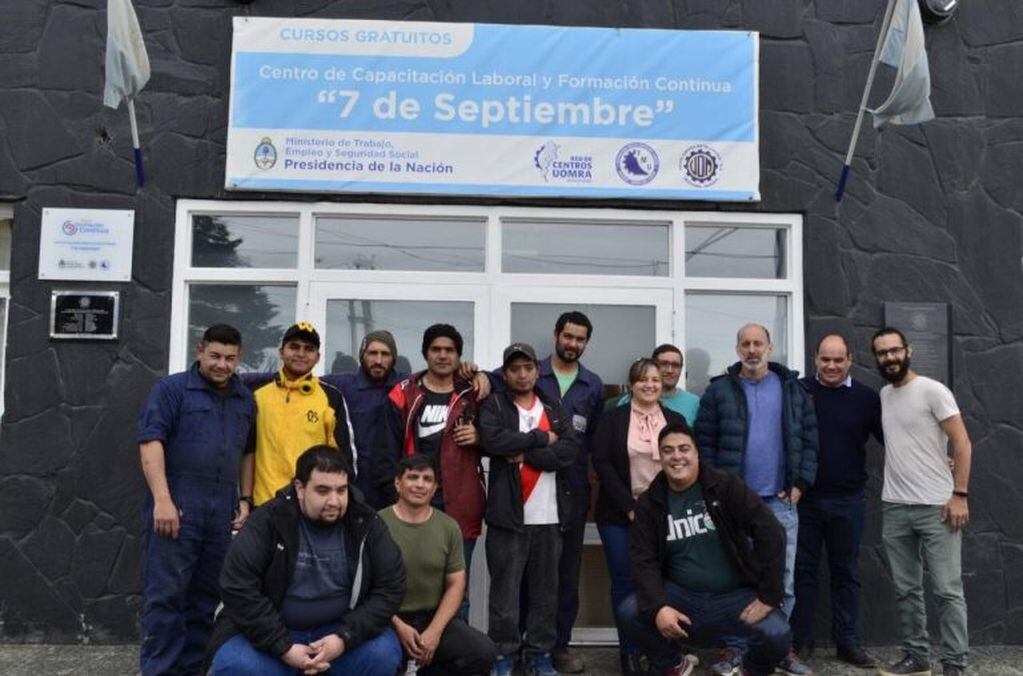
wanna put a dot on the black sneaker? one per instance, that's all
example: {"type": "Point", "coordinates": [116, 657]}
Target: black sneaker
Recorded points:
{"type": "Point", "coordinates": [907, 666]}
{"type": "Point", "coordinates": [949, 670]}
{"type": "Point", "coordinates": [856, 656]}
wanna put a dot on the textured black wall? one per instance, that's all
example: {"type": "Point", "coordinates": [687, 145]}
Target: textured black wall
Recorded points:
{"type": "Point", "coordinates": [933, 213]}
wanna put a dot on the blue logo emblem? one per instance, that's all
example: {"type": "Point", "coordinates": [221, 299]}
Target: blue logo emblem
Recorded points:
{"type": "Point", "coordinates": [700, 165]}
{"type": "Point", "coordinates": [637, 164]}
{"type": "Point", "coordinates": [265, 155]}
{"type": "Point", "coordinates": [545, 157]}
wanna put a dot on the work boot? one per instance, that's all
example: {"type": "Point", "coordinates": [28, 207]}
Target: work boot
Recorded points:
{"type": "Point", "coordinates": [856, 656]}
{"type": "Point", "coordinates": [907, 666]}
{"type": "Point", "coordinates": [567, 663]}
{"type": "Point", "coordinates": [631, 664]}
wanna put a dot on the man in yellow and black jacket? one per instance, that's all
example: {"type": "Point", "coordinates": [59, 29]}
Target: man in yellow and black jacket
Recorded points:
{"type": "Point", "coordinates": [294, 411]}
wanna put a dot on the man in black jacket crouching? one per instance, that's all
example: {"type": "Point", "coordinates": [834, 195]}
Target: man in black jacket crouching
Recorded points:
{"type": "Point", "coordinates": [311, 582]}
{"type": "Point", "coordinates": [708, 557]}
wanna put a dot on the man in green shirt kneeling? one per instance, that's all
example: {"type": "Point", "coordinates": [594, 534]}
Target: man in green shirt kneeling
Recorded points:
{"type": "Point", "coordinates": [431, 547]}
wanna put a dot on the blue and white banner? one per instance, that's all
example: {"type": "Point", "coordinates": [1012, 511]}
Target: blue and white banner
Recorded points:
{"type": "Point", "coordinates": [484, 109]}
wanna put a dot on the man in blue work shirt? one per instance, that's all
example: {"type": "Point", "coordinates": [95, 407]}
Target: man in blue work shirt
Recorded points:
{"type": "Point", "coordinates": [192, 435]}
{"type": "Point", "coordinates": [581, 393]}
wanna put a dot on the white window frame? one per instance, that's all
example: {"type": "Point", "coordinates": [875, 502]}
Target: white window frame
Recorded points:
{"type": "Point", "coordinates": [489, 335]}
{"type": "Point", "coordinates": [6, 213]}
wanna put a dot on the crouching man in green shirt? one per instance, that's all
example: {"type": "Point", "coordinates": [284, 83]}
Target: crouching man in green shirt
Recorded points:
{"type": "Point", "coordinates": [708, 558]}
{"type": "Point", "coordinates": [431, 547]}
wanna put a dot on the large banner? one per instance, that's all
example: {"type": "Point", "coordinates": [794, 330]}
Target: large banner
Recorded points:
{"type": "Point", "coordinates": [483, 109]}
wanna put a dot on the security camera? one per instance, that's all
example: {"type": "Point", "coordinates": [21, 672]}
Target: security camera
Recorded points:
{"type": "Point", "coordinates": [938, 11]}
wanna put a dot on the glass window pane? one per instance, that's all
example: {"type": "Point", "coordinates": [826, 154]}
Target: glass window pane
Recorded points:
{"type": "Point", "coordinates": [594, 582]}
{"type": "Point", "coordinates": [244, 241]}
{"type": "Point", "coordinates": [260, 312]}
{"type": "Point", "coordinates": [349, 320]}
{"type": "Point", "coordinates": [620, 334]}
{"type": "Point", "coordinates": [6, 232]}
{"type": "Point", "coordinates": [366, 243]}
{"type": "Point", "coordinates": [632, 249]}
{"type": "Point", "coordinates": [712, 321]}
{"type": "Point", "coordinates": [735, 251]}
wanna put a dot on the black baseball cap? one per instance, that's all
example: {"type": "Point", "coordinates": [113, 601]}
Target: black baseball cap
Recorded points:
{"type": "Point", "coordinates": [303, 330]}
{"type": "Point", "coordinates": [516, 349]}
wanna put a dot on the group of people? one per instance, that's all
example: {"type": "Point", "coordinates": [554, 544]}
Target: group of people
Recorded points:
{"type": "Point", "coordinates": [358, 499]}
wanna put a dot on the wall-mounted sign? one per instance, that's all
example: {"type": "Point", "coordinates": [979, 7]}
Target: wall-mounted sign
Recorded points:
{"type": "Point", "coordinates": [323, 105]}
{"type": "Point", "coordinates": [928, 328]}
{"type": "Point", "coordinates": [92, 245]}
{"type": "Point", "coordinates": [91, 315]}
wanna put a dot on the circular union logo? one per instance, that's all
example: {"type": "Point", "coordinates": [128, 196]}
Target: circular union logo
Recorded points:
{"type": "Point", "coordinates": [265, 156]}
{"type": "Point", "coordinates": [637, 163]}
{"type": "Point", "coordinates": [701, 166]}
{"type": "Point", "coordinates": [69, 228]}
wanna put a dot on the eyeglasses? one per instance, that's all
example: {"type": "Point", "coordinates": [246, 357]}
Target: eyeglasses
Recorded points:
{"type": "Point", "coordinates": [890, 352]}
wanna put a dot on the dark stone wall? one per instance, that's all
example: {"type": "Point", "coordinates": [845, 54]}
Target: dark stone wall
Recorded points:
{"type": "Point", "coordinates": [933, 213]}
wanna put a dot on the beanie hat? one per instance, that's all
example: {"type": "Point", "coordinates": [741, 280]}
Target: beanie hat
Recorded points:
{"type": "Point", "coordinates": [384, 337]}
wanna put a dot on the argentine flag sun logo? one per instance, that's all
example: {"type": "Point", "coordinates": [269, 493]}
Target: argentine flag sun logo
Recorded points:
{"type": "Point", "coordinates": [265, 156]}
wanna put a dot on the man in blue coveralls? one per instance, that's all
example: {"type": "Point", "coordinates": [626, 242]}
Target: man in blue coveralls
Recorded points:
{"type": "Point", "coordinates": [192, 435]}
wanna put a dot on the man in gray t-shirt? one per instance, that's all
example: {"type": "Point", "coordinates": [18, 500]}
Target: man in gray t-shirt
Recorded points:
{"type": "Point", "coordinates": [924, 502]}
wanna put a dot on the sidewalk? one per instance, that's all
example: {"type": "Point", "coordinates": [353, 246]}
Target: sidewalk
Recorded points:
{"type": "Point", "coordinates": [122, 660]}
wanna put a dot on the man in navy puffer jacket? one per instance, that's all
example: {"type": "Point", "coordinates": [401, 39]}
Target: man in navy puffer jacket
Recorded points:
{"type": "Point", "coordinates": [758, 421]}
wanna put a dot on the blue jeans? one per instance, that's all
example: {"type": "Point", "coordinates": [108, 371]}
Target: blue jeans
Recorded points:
{"type": "Point", "coordinates": [837, 524]}
{"type": "Point", "coordinates": [788, 517]}
{"type": "Point", "coordinates": [380, 656]}
{"type": "Point", "coordinates": [710, 613]}
{"type": "Point", "coordinates": [179, 582]}
{"type": "Point", "coordinates": [615, 539]}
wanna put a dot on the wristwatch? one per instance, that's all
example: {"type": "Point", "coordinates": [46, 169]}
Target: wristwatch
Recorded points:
{"type": "Point", "coordinates": [961, 494]}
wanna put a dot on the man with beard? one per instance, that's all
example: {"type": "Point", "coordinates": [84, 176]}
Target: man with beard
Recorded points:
{"type": "Point", "coordinates": [758, 421]}
{"type": "Point", "coordinates": [924, 505]}
{"type": "Point", "coordinates": [832, 513]}
{"type": "Point", "coordinates": [366, 393]}
{"type": "Point", "coordinates": [565, 380]}
{"type": "Point", "coordinates": [310, 584]}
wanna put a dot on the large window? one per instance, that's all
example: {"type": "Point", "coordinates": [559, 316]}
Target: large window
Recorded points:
{"type": "Point", "coordinates": [491, 271]}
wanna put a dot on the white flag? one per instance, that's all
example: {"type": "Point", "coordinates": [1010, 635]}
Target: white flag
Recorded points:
{"type": "Point", "coordinates": [127, 61]}
{"type": "Point", "coordinates": [910, 99]}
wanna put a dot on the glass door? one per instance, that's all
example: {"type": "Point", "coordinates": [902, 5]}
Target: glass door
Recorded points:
{"type": "Point", "coordinates": [627, 324]}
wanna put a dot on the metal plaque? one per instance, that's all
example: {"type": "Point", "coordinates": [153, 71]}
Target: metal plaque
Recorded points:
{"type": "Point", "coordinates": [928, 328]}
{"type": "Point", "coordinates": [84, 315]}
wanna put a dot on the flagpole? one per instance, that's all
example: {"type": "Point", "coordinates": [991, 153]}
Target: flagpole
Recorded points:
{"type": "Point", "coordinates": [140, 174]}
{"type": "Point", "coordinates": [885, 24]}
